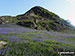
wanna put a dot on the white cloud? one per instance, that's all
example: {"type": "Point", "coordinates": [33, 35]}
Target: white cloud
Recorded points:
{"type": "Point", "coordinates": [71, 1]}
{"type": "Point", "coordinates": [71, 10]}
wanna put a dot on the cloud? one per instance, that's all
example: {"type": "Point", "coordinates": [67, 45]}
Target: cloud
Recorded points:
{"type": "Point", "coordinates": [71, 1]}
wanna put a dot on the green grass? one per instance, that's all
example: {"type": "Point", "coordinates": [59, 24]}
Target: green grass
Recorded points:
{"type": "Point", "coordinates": [33, 48]}
{"type": "Point", "coordinates": [51, 36]}
{"type": "Point", "coordinates": [70, 39]}
{"type": "Point", "coordinates": [39, 37]}
{"type": "Point", "coordinates": [47, 36]}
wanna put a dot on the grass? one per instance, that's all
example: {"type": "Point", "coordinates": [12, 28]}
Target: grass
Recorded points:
{"type": "Point", "coordinates": [51, 36]}
{"type": "Point", "coordinates": [70, 39]}
{"type": "Point", "coordinates": [47, 36]}
{"type": "Point", "coordinates": [33, 48]}
{"type": "Point", "coordinates": [39, 37]}
{"type": "Point", "coordinates": [28, 46]}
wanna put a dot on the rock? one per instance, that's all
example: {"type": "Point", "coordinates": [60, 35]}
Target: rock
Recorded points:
{"type": "Point", "coordinates": [2, 43]}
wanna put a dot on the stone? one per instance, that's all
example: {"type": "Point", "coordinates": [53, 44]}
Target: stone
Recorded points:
{"type": "Point", "coordinates": [2, 43]}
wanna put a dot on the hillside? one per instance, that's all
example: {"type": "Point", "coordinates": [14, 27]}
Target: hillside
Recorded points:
{"type": "Point", "coordinates": [8, 19]}
{"type": "Point", "coordinates": [16, 40]}
{"type": "Point", "coordinates": [42, 19]}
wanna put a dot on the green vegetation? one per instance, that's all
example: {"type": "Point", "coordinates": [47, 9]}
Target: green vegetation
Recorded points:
{"type": "Point", "coordinates": [28, 42]}
{"type": "Point", "coordinates": [33, 48]}
{"type": "Point", "coordinates": [70, 39]}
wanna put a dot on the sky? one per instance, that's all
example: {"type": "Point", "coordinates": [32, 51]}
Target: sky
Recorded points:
{"type": "Point", "coordinates": [64, 8]}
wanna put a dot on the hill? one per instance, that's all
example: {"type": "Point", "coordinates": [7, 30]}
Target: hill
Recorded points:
{"type": "Point", "coordinates": [42, 19]}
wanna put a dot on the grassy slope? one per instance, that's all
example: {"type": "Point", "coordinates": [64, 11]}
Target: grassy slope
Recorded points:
{"type": "Point", "coordinates": [27, 42]}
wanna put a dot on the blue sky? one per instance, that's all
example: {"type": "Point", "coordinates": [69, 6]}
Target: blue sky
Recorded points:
{"type": "Point", "coordinates": [64, 8]}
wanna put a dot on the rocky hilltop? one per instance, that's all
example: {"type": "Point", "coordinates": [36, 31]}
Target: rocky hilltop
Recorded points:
{"type": "Point", "coordinates": [40, 18]}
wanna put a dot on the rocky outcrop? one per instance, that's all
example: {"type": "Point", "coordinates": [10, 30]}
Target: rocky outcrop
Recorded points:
{"type": "Point", "coordinates": [43, 19]}
{"type": "Point", "coordinates": [2, 43]}
{"type": "Point", "coordinates": [7, 19]}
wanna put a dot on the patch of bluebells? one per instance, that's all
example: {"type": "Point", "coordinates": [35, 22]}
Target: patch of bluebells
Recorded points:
{"type": "Point", "coordinates": [15, 38]}
{"type": "Point", "coordinates": [10, 50]}
{"type": "Point", "coordinates": [6, 30]}
{"type": "Point", "coordinates": [0, 38]}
